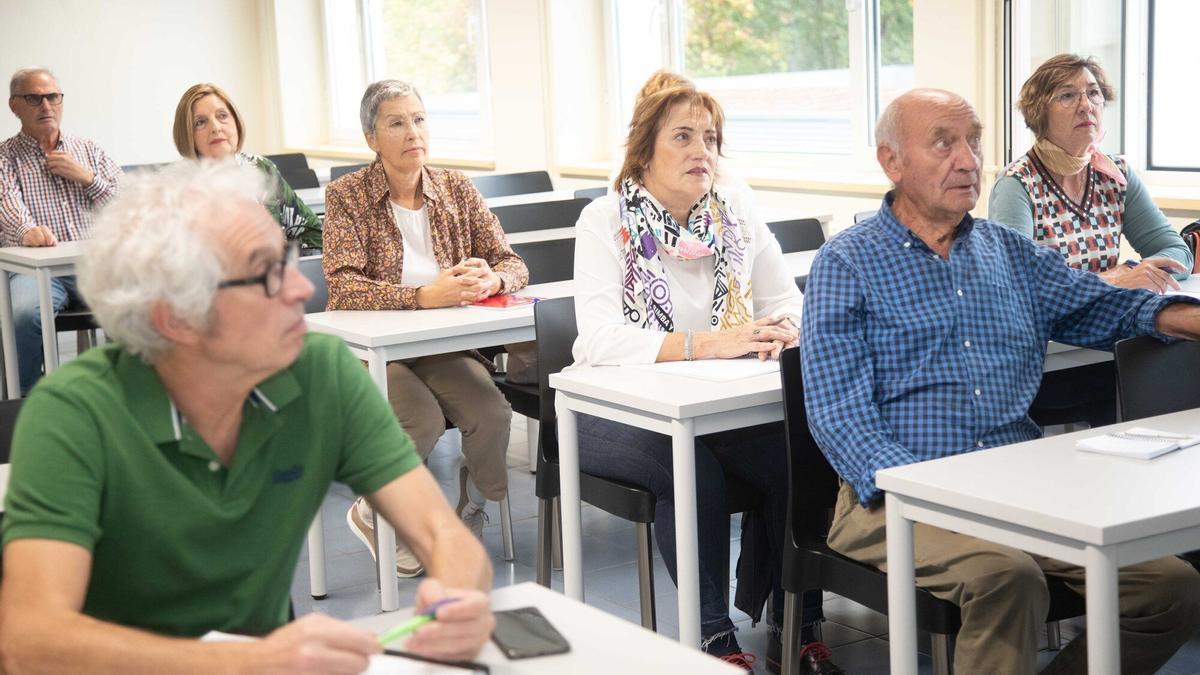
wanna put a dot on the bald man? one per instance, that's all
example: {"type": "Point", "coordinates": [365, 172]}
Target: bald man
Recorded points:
{"type": "Point", "coordinates": [924, 336]}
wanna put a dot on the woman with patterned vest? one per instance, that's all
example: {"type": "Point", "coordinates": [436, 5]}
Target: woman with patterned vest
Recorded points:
{"type": "Point", "coordinates": [1067, 194]}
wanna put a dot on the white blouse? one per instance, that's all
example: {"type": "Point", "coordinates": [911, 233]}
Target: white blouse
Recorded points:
{"type": "Point", "coordinates": [420, 265]}
{"type": "Point", "coordinates": [605, 338]}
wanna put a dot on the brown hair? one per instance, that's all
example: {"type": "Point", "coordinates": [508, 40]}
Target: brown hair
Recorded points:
{"type": "Point", "coordinates": [185, 120]}
{"type": "Point", "coordinates": [1038, 90]}
{"type": "Point", "coordinates": [659, 80]}
{"type": "Point", "coordinates": [650, 114]}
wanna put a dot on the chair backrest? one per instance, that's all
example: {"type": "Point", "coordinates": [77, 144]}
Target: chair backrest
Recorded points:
{"type": "Point", "coordinates": [136, 168]}
{"type": "Point", "coordinates": [863, 215]}
{"type": "Point", "coordinates": [550, 260]}
{"type": "Point", "coordinates": [300, 179]}
{"type": "Point", "coordinates": [310, 267]}
{"type": "Point", "coordinates": [289, 161]}
{"type": "Point", "coordinates": [555, 329]}
{"type": "Point", "coordinates": [505, 184]}
{"type": "Point", "coordinates": [591, 193]}
{"type": "Point", "coordinates": [813, 482]}
{"type": "Point", "coordinates": [337, 172]}
{"type": "Point", "coordinates": [801, 234]}
{"type": "Point", "coordinates": [540, 215]}
{"type": "Point", "coordinates": [1155, 378]}
{"type": "Point", "coordinates": [8, 421]}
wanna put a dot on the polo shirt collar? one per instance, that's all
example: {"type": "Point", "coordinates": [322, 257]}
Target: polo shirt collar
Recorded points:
{"type": "Point", "coordinates": [377, 186]}
{"type": "Point", "coordinates": [899, 232]}
{"type": "Point", "coordinates": [154, 410]}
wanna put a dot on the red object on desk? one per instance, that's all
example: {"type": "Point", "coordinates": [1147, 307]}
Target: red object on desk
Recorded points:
{"type": "Point", "coordinates": [505, 301]}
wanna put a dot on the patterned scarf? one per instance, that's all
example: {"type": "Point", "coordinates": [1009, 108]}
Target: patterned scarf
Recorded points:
{"type": "Point", "coordinates": [648, 231]}
{"type": "Point", "coordinates": [1064, 164]}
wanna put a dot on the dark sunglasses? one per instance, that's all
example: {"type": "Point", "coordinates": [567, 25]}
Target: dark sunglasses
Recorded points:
{"type": "Point", "coordinates": [36, 99]}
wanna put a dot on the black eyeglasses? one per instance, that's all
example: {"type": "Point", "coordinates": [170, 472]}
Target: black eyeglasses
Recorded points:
{"type": "Point", "coordinates": [36, 99]}
{"type": "Point", "coordinates": [272, 279]}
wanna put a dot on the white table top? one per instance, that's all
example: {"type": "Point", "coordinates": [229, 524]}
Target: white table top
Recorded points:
{"type": "Point", "coordinates": [600, 643]}
{"type": "Point", "coordinates": [63, 253]}
{"type": "Point", "coordinates": [315, 197]}
{"type": "Point", "coordinates": [1047, 485]}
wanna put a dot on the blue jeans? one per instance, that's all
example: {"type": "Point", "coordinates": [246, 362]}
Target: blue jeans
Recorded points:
{"type": "Point", "coordinates": [27, 321]}
{"type": "Point", "coordinates": [756, 456]}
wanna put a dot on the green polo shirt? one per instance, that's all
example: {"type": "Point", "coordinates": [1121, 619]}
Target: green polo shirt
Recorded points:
{"type": "Point", "coordinates": [181, 544]}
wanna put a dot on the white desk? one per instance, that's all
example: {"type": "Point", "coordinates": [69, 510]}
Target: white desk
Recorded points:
{"type": "Point", "coordinates": [1112, 512]}
{"type": "Point", "coordinates": [601, 644]}
{"type": "Point", "coordinates": [315, 198]}
{"type": "Point", "coordinates": [680, 407]}
{"type": "Point", "coordinates": [378, 337]}
{"type": "Point", "coordinates": [43, 263]}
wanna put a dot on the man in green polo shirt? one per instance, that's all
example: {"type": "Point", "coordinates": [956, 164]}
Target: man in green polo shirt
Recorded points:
{"type": "Point", "coordinates": [162, 485]}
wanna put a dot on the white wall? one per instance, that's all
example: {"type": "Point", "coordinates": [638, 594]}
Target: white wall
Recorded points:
{"type": "Point", "coordinates": [122, 65]}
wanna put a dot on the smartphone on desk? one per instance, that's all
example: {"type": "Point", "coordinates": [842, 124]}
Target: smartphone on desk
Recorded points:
{"type": "Point", "coordinates": [524, 633]}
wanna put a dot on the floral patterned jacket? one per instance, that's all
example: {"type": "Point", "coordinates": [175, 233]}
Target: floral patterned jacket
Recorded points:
{"type": "Point", "coordinates": [364, 254]}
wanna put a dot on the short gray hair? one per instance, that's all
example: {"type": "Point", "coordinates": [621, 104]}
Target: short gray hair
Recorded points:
{"type": "Point", "coordinates": [889, 128]}
{"type": "Point", "coordinates": [376, 94]}
{"type": "Point", "coordinates": [24, 74]}
{"type": "Point", "coordinates": [150, 244]}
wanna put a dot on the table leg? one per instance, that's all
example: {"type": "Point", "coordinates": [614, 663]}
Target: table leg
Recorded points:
{"type": "Point", "coordinates": [902, 589]}
{"type": "Point", "coordinates": [49, 337]}
{"type": "Point", "coordinates": [385, 535]}
{"type": "Point", "coordinates": [316, 558]}
{"type": "Point", "coordinates": [1104, 637]}
{"type": "Point", "coordinates": [8, 336]}
{"type": "Point", "coordinates": [687, 553]}
{"type": "Point", "coordinates": [568, 481]}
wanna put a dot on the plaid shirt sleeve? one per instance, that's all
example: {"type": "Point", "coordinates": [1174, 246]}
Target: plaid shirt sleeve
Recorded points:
{"type": "Point", "coordinates": [107, 177]}
{"type": "Point", "coordinates": [15, 218]}
{"type": "Point", "coordinates": [839, 380]}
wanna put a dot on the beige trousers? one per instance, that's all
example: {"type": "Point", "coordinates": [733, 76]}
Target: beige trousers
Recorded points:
{"type": "Point", "coordinates": [425, 392]}
{"type": "Point", "coordinates": [1002, 594]}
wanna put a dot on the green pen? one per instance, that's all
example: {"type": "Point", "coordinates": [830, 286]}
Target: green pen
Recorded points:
{"type": "Point", "coordinates": [414, 623]}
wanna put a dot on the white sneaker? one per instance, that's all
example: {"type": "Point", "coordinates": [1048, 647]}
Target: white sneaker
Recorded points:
{"type": "Point", "coordinates": [472, 514]}
{"type": "Point", "coordinates": [407, 565]}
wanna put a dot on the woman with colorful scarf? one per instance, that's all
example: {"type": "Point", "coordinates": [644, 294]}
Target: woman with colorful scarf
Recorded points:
{"type": "Point", "coordinates": [1066, 193]}
{"type": "Point", "coordinates": [670, 267]}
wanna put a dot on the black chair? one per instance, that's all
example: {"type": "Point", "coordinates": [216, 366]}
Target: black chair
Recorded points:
{"type": "Point", "coordinates": [591, 193]}
{"type": "Point", "coordinates": [339, 171]}
{"type": "Point", "coordinates": [79, 318]}
{"type": "Point", "coordinates": [300, 179]}
{"type": "Point", "coordinates": [556, 331]}
{"type": "Point", "coordinates": [503, 185]}
{"type": "Point", "coordinates": [136, 168]}
{"type": "Point", "coordinates": [863, 215]}
{"type": "Point", "coordinates": [549, 260]}
{"type": "Point", "coordinates": [1154, 378]}
{"type": "Point", "coordinates": [8, 421]}
{"type": "Point", "coordinates": [809, 563]}
{"type": "Point", "coordinates": [310, 267]}
{"type": "Point", "coordinates": [289, 161]}
{"type": "Point", "coordinates": [540, 215]}
{"type": "Point", "coordinates": [802, 234]}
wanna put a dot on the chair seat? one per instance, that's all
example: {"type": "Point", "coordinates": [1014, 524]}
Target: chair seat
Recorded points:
{"type": "Point", "coordinates": [71, 319]}
{"type": "Point", "coordinates": [525, 399]}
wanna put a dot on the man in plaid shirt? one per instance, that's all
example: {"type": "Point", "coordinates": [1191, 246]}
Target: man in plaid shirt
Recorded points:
{"type": "Point", "coordinates": [50, 184]}
{"type": "Point", "coordinates": [924, 336]}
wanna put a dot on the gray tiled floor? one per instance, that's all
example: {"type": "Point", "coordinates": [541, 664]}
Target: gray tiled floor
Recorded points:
{"type": "Point", "coordinates": [857, 635]}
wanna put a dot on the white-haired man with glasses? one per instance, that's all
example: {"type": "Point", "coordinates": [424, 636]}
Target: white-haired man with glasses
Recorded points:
{"type": "Point", "coordinates": [50, 184]}
{"type": "Point", "coordinates": [162, 485]}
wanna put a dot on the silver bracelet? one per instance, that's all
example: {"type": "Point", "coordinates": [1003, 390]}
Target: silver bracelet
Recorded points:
{"type": "Point", "coordinates": [687, 345]}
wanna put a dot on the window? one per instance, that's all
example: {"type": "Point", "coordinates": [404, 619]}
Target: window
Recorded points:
{"type": "Point", "coordinates": [793, 78]}
{"type": "Point", "coordinates": [1173, 96]}
{"type": "Point", "coordinates": [439, 47]}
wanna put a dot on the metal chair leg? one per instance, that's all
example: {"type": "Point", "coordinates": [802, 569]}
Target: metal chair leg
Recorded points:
{"type": "Point", "coordinates": [531, 437]}
{"type": "Point", "coordinates": [506, 530]}
{"type": "Point", "coordinates": [940, 652]}
{"type": "Point", "coordinates": [316, 559]}
{"type": "Point", "coordinates": [645, 574]}
{"type": "Point", "coordinates": [556, 537]}
{"type": "Point", "coordinates": [545, 542]}
{"type": "Point", "coordinates": [792, 607]}
{"type": "Point", "coordinates": [1053, 636]}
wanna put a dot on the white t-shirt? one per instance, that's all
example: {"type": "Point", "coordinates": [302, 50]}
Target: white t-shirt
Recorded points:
{"type": "Point", "coordinates": [605, 338]}
{"type": "Point", "coordinates": [420, 265]}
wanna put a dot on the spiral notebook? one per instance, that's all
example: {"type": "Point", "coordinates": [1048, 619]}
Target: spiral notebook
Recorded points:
{"type": "Point", "coordinates": [1137, 442]}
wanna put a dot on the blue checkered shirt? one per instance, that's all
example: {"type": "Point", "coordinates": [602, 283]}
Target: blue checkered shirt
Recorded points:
{"type": "Point", "coordinates": [910, 357]}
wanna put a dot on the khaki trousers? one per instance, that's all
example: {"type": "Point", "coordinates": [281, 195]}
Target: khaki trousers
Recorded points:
{"type": "Point", "coordinates": [1002, 594]}
{"type": "Point", "coordinates": [426, 391]}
